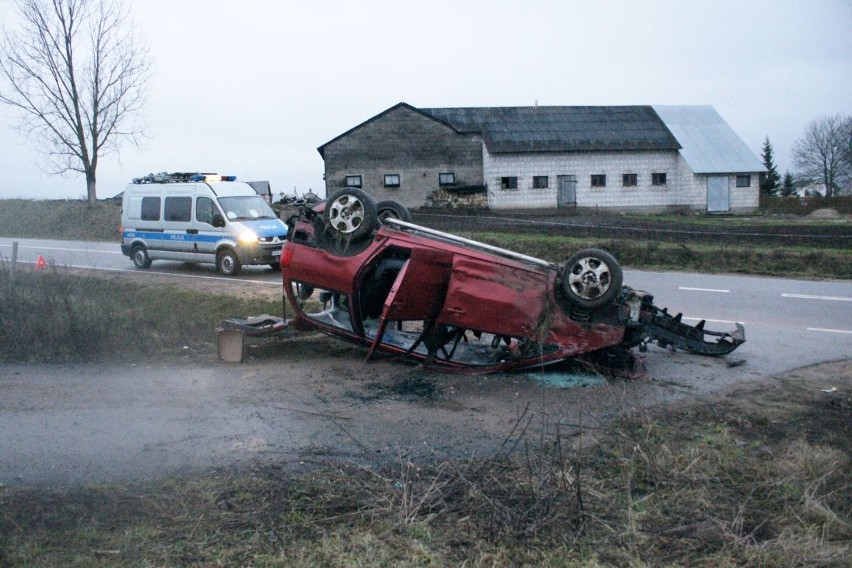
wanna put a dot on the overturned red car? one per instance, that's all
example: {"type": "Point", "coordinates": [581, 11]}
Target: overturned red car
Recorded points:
{"type": "Point", "coordinates": [362, 271]}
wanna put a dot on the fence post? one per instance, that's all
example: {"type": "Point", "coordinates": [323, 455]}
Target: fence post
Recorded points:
{"type": "Point", "coordinates": [14, 262]}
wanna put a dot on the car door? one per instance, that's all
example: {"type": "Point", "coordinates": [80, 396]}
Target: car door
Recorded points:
{"type": "Point", "coordinates": [417, 293]}
{"type": "Point", "coordinates": [503, 298]}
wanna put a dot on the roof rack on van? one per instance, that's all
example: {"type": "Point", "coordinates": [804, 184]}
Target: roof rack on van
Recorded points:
{"type": "Point", "coordinates": [182, 177]}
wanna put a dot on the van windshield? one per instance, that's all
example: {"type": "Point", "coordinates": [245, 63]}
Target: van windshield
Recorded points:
{"type": "Point", "coordinates": [246, 207]}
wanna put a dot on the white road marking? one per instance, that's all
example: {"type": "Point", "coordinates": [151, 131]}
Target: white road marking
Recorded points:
{"type": "Point", "coordinates": [99, 251]}
{"type": "Point", "coordinates": [703, 290]}
{"type": "Point", "coordinates": [808, 297]}
{"type": "Point", "coordinates": [714, 321]}
{"type": "Point", "coordinates": [83, 250]}
{"type": "Point", "coordinates": [830, 330]}
{"type": "Point", "coordinates": [229, 279]}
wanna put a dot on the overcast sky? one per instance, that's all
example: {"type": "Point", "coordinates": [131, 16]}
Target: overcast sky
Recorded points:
{"type": "Point", "coordinates": [253, 87]}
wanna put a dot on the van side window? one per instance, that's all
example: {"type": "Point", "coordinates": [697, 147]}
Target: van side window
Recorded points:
{"type": "Point", "coordinates": [204, 210]}
{"type": "Point", "coordinates": [178, 209]}
{"type": "Point", "coordinates": [150, 209]}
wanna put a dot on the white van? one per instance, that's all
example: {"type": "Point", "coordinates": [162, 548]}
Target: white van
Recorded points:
{"type": "Point", "coordinates": [199, 218]}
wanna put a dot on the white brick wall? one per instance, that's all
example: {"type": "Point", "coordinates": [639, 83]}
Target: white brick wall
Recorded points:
{"type": "Point", "coordinates": [682, 189]}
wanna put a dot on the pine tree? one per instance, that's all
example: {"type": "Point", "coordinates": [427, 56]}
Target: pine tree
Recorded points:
{"type": "Point", "coordinates": [769, 180]}
{"type": "Point", "coordinates": [788, 187]}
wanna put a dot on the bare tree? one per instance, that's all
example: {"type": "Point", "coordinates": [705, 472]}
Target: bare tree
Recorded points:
{"type": "Point", "coordinates": [847, 145]}
{"type": "Point", "coordinates": [820, 155]}
{"type": "Point", "coordinates": [78, 76]}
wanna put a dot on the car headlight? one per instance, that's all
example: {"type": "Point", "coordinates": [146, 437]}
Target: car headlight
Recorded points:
{"type": "Point", "coordinates": [248, 237]}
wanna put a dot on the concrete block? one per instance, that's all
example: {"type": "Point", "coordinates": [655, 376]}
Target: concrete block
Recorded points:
{"type": "Point", "coordinates": [231, 344]}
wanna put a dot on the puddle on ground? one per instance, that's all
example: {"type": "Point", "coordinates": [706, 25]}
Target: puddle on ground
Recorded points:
{"type": "Point", "coordinates": [566, 380]}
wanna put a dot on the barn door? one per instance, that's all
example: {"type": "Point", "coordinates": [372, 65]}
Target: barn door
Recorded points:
{"type": "Point", "coordinates": [566, 195]}
{"type": "Point", "coordinates": [718, 199]}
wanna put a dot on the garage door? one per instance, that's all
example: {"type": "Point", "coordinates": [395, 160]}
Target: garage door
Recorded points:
{"type": "Point", "coordinates": [718, 199]}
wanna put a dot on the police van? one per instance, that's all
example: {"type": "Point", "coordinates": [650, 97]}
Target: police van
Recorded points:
{"type": "Point", "coordinates": [194, 217]}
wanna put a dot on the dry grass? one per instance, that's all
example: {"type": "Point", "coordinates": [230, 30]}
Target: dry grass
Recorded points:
{"type": "Point", "coordinates": [758, 479]}
{"type": "Point", "coordinates": [54, 315]}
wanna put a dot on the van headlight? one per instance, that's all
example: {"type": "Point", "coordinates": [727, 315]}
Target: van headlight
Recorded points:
{"type": "Point", "coordinates": [248, 237]}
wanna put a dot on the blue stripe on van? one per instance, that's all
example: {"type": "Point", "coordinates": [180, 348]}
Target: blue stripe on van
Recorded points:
{"type": "Point", "coordinates": [166, 236]}
{"type": "Point", "coordinates": [170, 236]}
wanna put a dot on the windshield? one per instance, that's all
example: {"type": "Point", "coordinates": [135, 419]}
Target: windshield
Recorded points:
{"type": "Point", "coordinates": [246, 207]}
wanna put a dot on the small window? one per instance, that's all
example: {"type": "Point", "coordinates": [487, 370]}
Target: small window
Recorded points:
{"type": "Point", "coordinates": [509, 182]}
{"type": "Point", "coordinates": [599, 180]}
{"type": "Point", "coordinates": [150, 209]}
{"type": "Point", "coordinates": [204, 210]}
{"type": "Point", "coordinates": [448, 178]}
{"type": "Point", "coordinates": [540, 182]}
{"type": "Point", "coordinates": [178, 209]}
{"type": "Point", "coordinates": [743, 181]}
{"type": "Point", "coordinates": [658, 178]}
{"type": "Point", "coordinates": [391, 180]}
{"type": "Point", "coordinates": [353, 181]}
{"type": "Point", "coordinates": [629, 180]}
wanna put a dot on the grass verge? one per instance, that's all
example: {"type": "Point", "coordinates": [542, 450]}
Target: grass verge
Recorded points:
{"type": "Point", "coordinates": [54, 219]}
{"type": "Point", "coordinates": [761, 478]}
{"type": "Point", "coordinates": [55, 316]}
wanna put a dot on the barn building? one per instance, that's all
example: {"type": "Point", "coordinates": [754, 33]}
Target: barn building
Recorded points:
{"type": "Point", "coordinates": [643, 158]}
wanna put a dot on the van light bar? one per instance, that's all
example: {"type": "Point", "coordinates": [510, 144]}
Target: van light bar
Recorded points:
{"type": "Point", "coordinates": [212, 177]}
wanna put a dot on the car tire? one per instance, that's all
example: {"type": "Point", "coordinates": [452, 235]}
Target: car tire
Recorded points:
{"type": "Point", "coordinates": [302, 291]}
{"type": "Point", "coordinates": [591, 278]}
{"type": "Point", "coordinates": [393, 210]}
{"type": "Point", "coordinates": [350, 213]}
{"type": "Point", "coordinates": [228, 263]}
{"type": "Point", "coordinates": [336, 243]}
{"type": "Point", "coordinates": [140, 257]}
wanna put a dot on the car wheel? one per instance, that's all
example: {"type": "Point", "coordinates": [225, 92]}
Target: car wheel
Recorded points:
{"type": "Point", "coordinates": [302, 291]}
{"type": "Point", "coordinates": [275, 266]}
{"type": "Point", "coordinates": [591, 278]}
{"type": "Point", "coordinates": [140, 257]}
{"type": "Point", "coordinates": [228, 262]}
{"type": "Point", "coordinates": [337, 243]}
{"type": "Point", "coordinates": [393, 210]}
{"type": "Point", "coordinates": [350, 213]}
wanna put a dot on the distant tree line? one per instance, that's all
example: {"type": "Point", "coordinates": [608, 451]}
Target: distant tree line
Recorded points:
{"type": "Point", "coordinates": [823, 157]}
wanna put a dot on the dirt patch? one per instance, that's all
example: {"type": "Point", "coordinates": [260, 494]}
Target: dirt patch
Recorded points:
{"type": "Point", "coordinates": [313, 399]}
{"type": "Point", "coordinates": [813, 402]}
{"type": "Point", "coordinates": [757, 475]}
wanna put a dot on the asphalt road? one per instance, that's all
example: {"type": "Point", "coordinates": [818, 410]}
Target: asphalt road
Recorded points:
{"type": "Point", "coordinates": [108, 257]}
{"type": "Point", "coordinates": [789, 323]}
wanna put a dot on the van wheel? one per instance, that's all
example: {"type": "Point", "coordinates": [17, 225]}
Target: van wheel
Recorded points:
{"type": "Point", "coordinates": [140, 257]}
{"type": "Point", "coordinates": [228, 262]}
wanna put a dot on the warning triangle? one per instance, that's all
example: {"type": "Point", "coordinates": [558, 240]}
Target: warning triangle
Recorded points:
{"type": "Point", "coordinates": [41, 263]}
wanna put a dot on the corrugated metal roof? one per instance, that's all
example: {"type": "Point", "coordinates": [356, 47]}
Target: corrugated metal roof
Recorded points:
{"type": "Point", "coordinates": [709, 145]}
{"type": "Point", "coordinates": [561, 128]}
